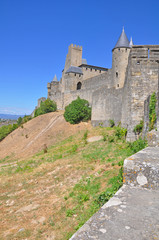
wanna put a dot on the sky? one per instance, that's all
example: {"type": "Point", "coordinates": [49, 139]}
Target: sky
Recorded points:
{"type": "Point", "coordinates": [35, 35]}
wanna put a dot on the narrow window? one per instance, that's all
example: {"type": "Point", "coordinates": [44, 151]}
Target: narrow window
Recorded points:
{"type": "Point", "coordinates": [91, 69]}
{"type": "Point", "coordinates": [126, 50]}
{"type": "Point", "coordinates": [95, 70]}
{"type": "Point", "coordinates": [119, 49]}
{"type": "Point", "coordinates": [75, 74]}
{"type": "Point", "coordinates": [79, 85]}
{"type": "Point", "coordinates": [86, 68]}
{"type": "Point", "coordinates": [138, 62]}
{"type": "Point", "coordinates": [116, 74]}
{"type": "Point", "coordinates": [117, 85]}
{"type": "Point", "coordinates": [100, 71]}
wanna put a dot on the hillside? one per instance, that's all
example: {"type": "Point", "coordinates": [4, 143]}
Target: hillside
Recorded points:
{"type": "Point", "coordinates": [31, 137]}
{"type": "Point", "coordinates": [51, 195]}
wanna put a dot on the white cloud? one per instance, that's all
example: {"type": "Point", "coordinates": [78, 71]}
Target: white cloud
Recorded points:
{"type": "Point", "coordinates": [15, 111]}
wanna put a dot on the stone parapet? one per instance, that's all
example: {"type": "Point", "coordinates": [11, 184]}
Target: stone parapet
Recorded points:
{"type": "Point", "coordinates": [142, 169]}
{"type": "Point", "coordinates": [132, 212]}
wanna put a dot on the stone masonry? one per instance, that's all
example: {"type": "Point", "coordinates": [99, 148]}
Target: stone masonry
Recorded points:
{"type": "Point", "coordinates": [132, 213]}
{"type": "Point", "coordinates": [118, 93]}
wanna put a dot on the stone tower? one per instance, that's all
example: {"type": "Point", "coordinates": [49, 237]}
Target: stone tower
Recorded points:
{"type": "Point", "coordinates": [74, 57]}
{"type": "Point", "coordinates": [120, 60]}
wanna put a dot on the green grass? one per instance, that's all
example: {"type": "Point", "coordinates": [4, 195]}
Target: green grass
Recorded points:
{"type": "Point", "coordinates": [99, 165]}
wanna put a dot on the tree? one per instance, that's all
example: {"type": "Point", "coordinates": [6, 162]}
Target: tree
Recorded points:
{"type": "Point", "coordinates": [77, 111]}
{"type": "Point", "coordinates": [45, 107]}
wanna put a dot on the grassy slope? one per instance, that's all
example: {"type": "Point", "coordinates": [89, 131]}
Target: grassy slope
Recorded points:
{"type": "Point", "coordinates": [49, 196]}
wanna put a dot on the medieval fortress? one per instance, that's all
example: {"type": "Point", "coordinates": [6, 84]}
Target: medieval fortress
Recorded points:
{"type": "Point", "coordinates": [118, 93]}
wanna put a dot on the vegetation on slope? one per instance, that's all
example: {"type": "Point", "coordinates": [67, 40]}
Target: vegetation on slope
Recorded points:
{"type": "Point", "coordinates": [7, 129]}
{"type": "Point", "coordinates": [53, 194]}
{"type": "Point", "coordinates": [46, 107]}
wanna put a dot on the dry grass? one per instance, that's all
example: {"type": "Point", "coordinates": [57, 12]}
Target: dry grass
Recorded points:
{"type": "Point", "coordinates": [49, 196]}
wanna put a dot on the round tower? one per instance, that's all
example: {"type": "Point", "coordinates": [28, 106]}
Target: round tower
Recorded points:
{"type": "Point", "coordinates": [120, 60]}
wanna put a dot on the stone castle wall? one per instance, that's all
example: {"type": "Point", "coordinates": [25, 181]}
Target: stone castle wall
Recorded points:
{"type": "Point", "coordinates": [118, 93]}
{"type": "Point", "coordinates": [142, 80]}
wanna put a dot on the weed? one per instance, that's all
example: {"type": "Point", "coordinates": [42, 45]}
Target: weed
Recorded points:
{"type": "Point", "coordinates": [120, 133]}
{"type": "Point", "coordinates": [137, 145]}
{"type": "Point", "coordinates": [70, 212]}
{"type": "Point", "coordinates": [152, 111]}
{"type": "Point", "coordinates": [116, 183]}
{"type": "Point", "coordinates": [51, 222]}
{"type": "Point", "coordinates": [85, 137]}
{"type": "Point", "coordinates": [138, 128]}
{"type": "Point", "coordinates": [120, 163]}
{"type": "Point", "coordinates": [111, 123]}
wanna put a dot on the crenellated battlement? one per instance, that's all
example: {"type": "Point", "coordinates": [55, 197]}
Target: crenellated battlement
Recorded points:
{"type": "Point", "coordinates": [77, 47]}
{"type": "Point", "coordinates": [146, 52]}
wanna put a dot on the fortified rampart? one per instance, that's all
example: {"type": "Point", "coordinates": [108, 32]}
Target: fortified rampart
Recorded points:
{"type": "Point", "coordinates": [118, 93]}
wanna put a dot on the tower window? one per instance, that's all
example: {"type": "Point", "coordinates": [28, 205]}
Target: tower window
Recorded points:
{"type": "Point", "coordinates": [75, 74]}
{"type": "Point", "coordinates": [117, 85]}
{"type": "Point", "coordinates": [79, 85]}
{"type": "Point", "coordinates": [116, 74]}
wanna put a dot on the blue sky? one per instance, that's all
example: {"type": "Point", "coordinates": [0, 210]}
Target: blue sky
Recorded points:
{"type": "Point", "coordinates": [35, 35]}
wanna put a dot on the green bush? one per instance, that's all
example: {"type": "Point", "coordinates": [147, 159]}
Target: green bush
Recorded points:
{"type": "Point", "coordinates": [111, 123]}
{"type": "Point", "coordinates": [137, 145]}
{"type": "Point", "coordinates": [116, 182]}
{"type": "Point", "coordinates": [46, 107]}
{"type": "Point", "coordinates": [138, 128]}
{"type": "Point", "coordinates": [120, 132]}
{"type": "Point", "coordinates": [77, 111]}
{"type": "Point", "coordinates": [6, 129]}
{"type": "Point", "coordinates": [152, 111]}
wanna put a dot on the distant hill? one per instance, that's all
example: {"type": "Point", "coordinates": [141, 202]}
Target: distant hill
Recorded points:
{"type": "Point", "coordinates": [10, 116]}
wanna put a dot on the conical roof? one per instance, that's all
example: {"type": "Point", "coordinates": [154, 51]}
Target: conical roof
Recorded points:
{"type": "Point", "coordinates": [122, 41]}
{"type": "Point", "coordinates": [55, 79]}
{"type": "Point", "coordinates": [131, 42]}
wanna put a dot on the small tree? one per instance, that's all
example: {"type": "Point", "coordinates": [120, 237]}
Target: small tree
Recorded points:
{"type": "Point", "coordinates": [45, 107]}
{"type": "Point", "coordinates": [77, 111]}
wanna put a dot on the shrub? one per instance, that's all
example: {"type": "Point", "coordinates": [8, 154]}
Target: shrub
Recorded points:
{"type": "Point", "coordinates": [111, 123]}
{"type": "Point", "coordinates": [137, 145]}
{"type": "Point", "coordinates": [45, 107]}
{"type": "Point", "coordinates": [120, 132]}
{"type": "Point", "coordinates": [77, 111]}
{"type": "Point", "coordinates": [85, 137]}
{"type": "Point", "coordinates": [6, 129]}
{"type": "Point", "coordinates": [152, 111]}
{"type": "Point", "coordinates": [138, 128]}
{"type": "Point", "coordinates": [116, 183]}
